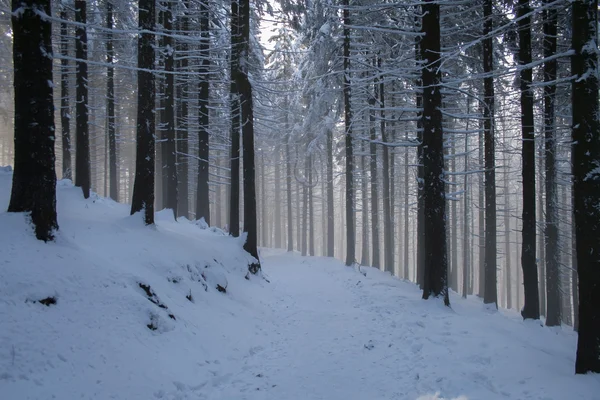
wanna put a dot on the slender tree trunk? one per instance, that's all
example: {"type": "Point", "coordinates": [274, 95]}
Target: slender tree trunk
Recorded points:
{"type": "Point", "coordinates": [364, 254]}
{"type": "Point", "coordinates": [552, 244]}
{"type": "Point", "coordinates": [388, 235]}
{"type": "Point", "coordinates": [168, 124]}
{"type": "Point", "coordinates": [406, 209]}
{"type": "Point", "coordinates": [82, 144]}
{"type": "Point", "coordinates": [350, 232]}
{"type": "Point", "coordinates": [202, 193]}
{"type": "Point", "coordinates": [65, 109]}
{"type": "Point", "coordinates": [277, 230]}
{"type": "Point", "coordinates": [311, 210]}
{"type": "Point", "coordinates": [490, 293]}
{"type": "Point", "coordinates": [374, 186]}
{"type": "Point", "coordinates": [288, 184]}
{"type": "Point", "coordinates": [143, 188]}
{"type": "Point", "coordinates": [586, 186]}
{"type": "Point", "coordinates": [420, 169]}
{"type": "Point", "coordinates": [110, 106]}
{"type": "Point", "coordinates": [245, 90]}
{"type": "Point", "coordinates": [234, 202]}
{"type": "Point", "coordinates": [436, 257]}
{"type": "Point", "coordinates": [481, 217]}
{"type": "Point", "coordinates": [330, 209]}
{"type": "Point", "coordinates": [34, 178]}
{"type": "Point", "coordinates": [466, 206]}
{"type": "Point", "coordinates": [531, 309]}
{"type": "Point", "coordinates": [507, 256]}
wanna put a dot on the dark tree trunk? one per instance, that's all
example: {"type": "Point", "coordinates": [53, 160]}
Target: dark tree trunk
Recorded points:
{"type": "Point", "coordinates": [82, 144]}
{"type": "Point", "coordinates": [350, 232]}
{"type": "Point", "coordinates": [288, 183]}
{"type": "Point", "coordinates": [490, 293]}
{"type": "Point", "coordinates": [507, 231]}
{"type": "Point", "coordinates": [168, 123]}
{"type": "Point", "coordinates": [586, 185]}
{"type": "Point", "coordinates": [110, 106]}
{"type": "Point", "coordinates": [436, 258]}
{"type": "Point", "coordinates": [552, 243]}
{"type": "Point", "coordinates": [143, 188]}
{"type": "Point", "coordinates": [202, 193]}
{"type": "Point", "coordinates": [364, 253]}
{"type": "Point", "coordinates": [330, 210]}
{"type": "Point", "coordinates": [481, 218]}
{"type": "Point", "coordinates": [466, 224]}
{"type": "Point", "coordinates": [388, 235]}
{"type": "Point", "coordinates": [420, 168]}
{"type": "Point", "coordinates": [531, 308]}
{"type": "Point", "coordinates": [374, 186]}
{"type": "Point", "coordinates": [277, 218]}
{"type": "Point", "coordinates": [406, 208]}
{"type": "Point", "coordinates": [311, 211]}
{"type": "Point", "coordinates": [65, 108]}
{"type": "Point", "coordinates": [34, 177]}
{"type": "Point", "coordinates": [245, 91]}
{"type": "Point", "coordinates": [234, 65]}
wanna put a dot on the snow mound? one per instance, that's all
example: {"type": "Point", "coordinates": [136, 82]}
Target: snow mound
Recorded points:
{"type": "Point", "coordinates": [113, 308]}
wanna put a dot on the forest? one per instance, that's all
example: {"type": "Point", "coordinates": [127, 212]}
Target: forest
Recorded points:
{"type": "Point", "coordinates": [454, 144]}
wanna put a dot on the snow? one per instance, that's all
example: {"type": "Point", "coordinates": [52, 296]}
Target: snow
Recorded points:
{"type": "Point", "coordinates": [312, 329]}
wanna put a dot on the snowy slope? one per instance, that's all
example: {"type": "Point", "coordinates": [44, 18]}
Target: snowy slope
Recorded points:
{"type": "Point", "coordinates": [317, 330]}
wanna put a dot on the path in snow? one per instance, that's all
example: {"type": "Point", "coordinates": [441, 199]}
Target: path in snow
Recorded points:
{"type": "Point", "coordinates": [332, 333]}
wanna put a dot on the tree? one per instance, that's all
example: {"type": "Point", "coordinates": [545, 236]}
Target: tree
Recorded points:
{"type": "Point", "coordinates": [143, 188]}
{"type": "Point", "coordinates": [531, 309]}
{"type": "Point", "coordinates": [350, 233]}
{"type": "Point", "coordinates": [234, 66]}
{"type": "Point", "coordinates": [168, 145]}
{"type": "Point", "coordinates": [202, 194]}
{"type": "Point", "coordinates": [82, 144]}
{"type": "Point", "coordinates": [586, 180]}
{"type": "Point", "coordinates": [247, 110]}
{"type": "Point", "coordinates": [436, 258]}
{"type": "Point", "coordinates": [490, 292]}
{"type": "Point", "coordinates": [110, 105]}
{"type": "Point", "coordinates": [34, 177]}
{"type": "Point", "coordinates": [551, 232]}
{"type": "Point", "coordinates": [65, 109]}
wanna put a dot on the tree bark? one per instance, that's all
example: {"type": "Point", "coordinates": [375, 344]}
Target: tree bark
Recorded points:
{"type": "Point", "coordinates": [202, 193]}
{"type": "Point", "coordinates": [65, 108]}
{"type": "Point", "coordinates": [234, 65]}
{"type": "Point", "coordinates": [586, 185]}
{"type": "Point", "coordinates": [34, 176]}
{"type": "Point", "coordinates": [350, 232]}
{"type": "Point", "coordinates": [552, 243]}
{"type": "Point", "coordinates": [531, 308]}
{"type": "Point", "coordinates": [436, 258]}
{"type": "Point", "coordinates": [490, 294]}
{"type": "Point", "coordinates": [82, 144]}
{"type": "Point", "coordinates": [143, 188]}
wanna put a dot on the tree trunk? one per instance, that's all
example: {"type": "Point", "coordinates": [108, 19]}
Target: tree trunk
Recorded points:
{"type": "Point", "coordinates": [34, 177]}
{"type": "Point", "coordinates": [245, 91]}
{"type": "Point", "coordinates": [65, 109]}
{"type": "Point", "coordinates": [277, 218]}
{"type": "Point", "coordinates": [110, 106]}
{"type": "Point", "coordinates": [82, 144]}
{"type": "Point", "coordinates": [552, 244]}
{"type": "Point", "coordinates": [436, 258]}
{"type": "Point", "coordinates": [202, 192]}
{"type": "Point", "coordinates": [364, 253]}
{"type": "Point", "coordinates": [586, 185]}
{"type": "Point", "coordinates": [388, 235]}
{"type": "Point", "coordinates": [350, 233]}
{"type": "Point", "coordinates": [420, 168]}
{"type": "Point", "coordinates": [143, 188]}
{"type": "Point", "coordinates": [374, 187]}
{"type": "Point", "coordinates": [234, 64]}
{"type": "Point", "coordinates": [168, 123]}
{"type": "Point", "coordinates": [531, 308]}
{"type": "Point", "coordinates": [330, 209]}
{"type": "Point", "coordinates": [490, 294]}
{"type": "Point", "coordinates": [288, 183]}
{"type": "Point", "coordinates": [311, 211]}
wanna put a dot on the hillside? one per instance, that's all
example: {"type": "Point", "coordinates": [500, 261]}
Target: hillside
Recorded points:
{"type": "Point", "coordinates": [117, 310]}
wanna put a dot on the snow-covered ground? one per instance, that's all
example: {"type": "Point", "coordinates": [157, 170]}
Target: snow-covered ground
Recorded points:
{"type": "Point", "coordinates": [315, 330]}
